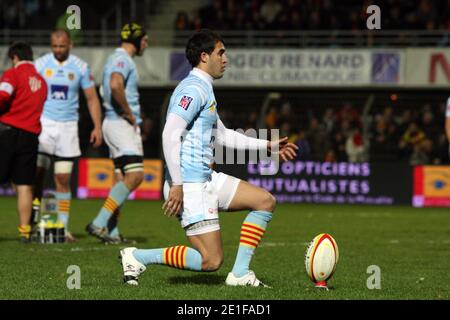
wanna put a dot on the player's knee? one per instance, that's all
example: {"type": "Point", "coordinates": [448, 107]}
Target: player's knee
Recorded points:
{"type": "Point", "coordinates": [62, 180]}
{"type": "Point", "coordinates": [134, 179]}
{"type": "Point", "coordinates": [268, 202]}
{"type": "Point", "coordinates": [212, 262]}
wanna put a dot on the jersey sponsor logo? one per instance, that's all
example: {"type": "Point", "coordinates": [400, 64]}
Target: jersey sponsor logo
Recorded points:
{"type": "Point", "coordinates": [35, 84]}
{"type": "Point", "coordinates": [59, 92]}
{"type": "Point", "coordinates": [60, 73]}
{"type": "Point", "coordinates": [48, 73]}
{"type": "Point", "coordinates": [185, 102]}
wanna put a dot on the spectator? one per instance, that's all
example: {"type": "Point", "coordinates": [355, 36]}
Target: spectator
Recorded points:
{"type": "Point", "coordinates": [330, 156]}
{"type": "Point", "coordinates": [421, 154]}
{"type": "Point", "coordinates": [272, 118]}
{"type": "Point", "coordinates": [304, 149]}
{"type": "Point", "coordinates": [318, 137]}
{"type": "Point", "coordinates": [270, 10]}
{"type": "Point", "coordinates": [355, 147]}
{"type": "Point", "coordinates": [182, 21]}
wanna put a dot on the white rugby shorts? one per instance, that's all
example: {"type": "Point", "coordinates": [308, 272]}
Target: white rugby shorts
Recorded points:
{"type": "Point", "coordinates": [122, 138]}
{"type": "Point", "coordinates": [59, 138]}
{"type": "Point", "coordinates": [202, 201]}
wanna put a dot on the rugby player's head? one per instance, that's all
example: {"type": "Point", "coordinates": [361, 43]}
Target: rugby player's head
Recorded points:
{"type": "Point", "coordinates": [206, 50]}
{"type": "Point", "coordinates": [61, 44]}
{"type": "Point", "coordinates": [20, 51]}
{"type": "Point", "coordinates": [133, 33]}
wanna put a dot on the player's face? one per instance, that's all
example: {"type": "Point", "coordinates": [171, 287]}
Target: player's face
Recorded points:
{"type": "Point", "coordinates": [60, 47]}
{"type": "Point", "coordinates": [217, 61]}
{"type": "Point", "coordinates": [144, 45]}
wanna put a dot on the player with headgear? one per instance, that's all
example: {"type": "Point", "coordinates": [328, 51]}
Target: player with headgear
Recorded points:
{"type": "Point", "coordinates": [121, 130]}
{"type": "Point", "coordinates": [65, 75]}
{"type": "Point", "coordinates": [193, 190]}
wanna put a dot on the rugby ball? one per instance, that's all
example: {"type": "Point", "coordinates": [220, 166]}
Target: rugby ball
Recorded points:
{"type": "Point", "coordinates": [321, 259]}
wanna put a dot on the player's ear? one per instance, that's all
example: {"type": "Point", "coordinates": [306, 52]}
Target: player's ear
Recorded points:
{"type": "Point", "coordinates": [204, 57]}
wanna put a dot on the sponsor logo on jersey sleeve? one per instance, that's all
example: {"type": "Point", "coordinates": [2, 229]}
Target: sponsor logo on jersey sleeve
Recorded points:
{"type": "Point", "coordinates": [185, 102]}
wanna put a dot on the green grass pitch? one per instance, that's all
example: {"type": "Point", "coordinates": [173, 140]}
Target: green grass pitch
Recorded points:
{"type": "Point", "coordinates": [411, 247]}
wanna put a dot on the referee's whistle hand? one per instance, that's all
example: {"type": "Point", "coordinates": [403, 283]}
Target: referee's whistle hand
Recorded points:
{"type": "Point", "coordinates": [174, 201]}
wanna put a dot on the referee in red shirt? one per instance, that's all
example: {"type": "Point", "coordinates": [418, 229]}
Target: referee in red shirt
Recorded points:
{"type": "Point", "coordinates": [22, 95]}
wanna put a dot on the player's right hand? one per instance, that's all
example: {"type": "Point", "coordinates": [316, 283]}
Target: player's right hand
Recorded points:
{"type": "Point", "coordinates": [130, 118]}
{"type": "Point", "coordinates": [174, 201]}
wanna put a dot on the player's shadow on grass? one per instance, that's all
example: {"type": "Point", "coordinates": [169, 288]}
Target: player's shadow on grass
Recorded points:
{"type": "Point", "coordinates": [10, 239]}
{"type": "Point", "coordinates": [205, 279]}
{"type": "Point", "coordinates": [79, 236]}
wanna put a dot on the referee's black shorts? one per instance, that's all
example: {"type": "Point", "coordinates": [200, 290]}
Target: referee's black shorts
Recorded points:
{"type": "Point", "coordinates": [18, 157]}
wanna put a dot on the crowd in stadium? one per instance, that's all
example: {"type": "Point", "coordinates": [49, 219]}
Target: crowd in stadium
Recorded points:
{"type": "Point", "coordinates": [414, 135]}
{"type": "Point", "coordinates": [265, 14]}
{"type": "Point", "coordinates": [314, 15]}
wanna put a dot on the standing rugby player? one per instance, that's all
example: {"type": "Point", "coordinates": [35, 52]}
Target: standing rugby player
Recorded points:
{"type": "Point", "coordinates": [121, 130]}
{"type": "Point", "coordinates": [65, 75]}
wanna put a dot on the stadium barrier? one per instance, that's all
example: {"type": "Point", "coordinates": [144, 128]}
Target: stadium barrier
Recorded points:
{"type": "Point", "coordinates": [295, 182]}
{"type": "Point", "coordinates": [267, 68]}
{"type": "Point", "coordinates": [331, 183]}
{"type": "Point", "coordinates": [96, 177]}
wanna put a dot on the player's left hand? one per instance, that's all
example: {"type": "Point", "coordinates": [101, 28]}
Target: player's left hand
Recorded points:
{"type": "Point", "coordinates": [286, 150]}
{"type": "Point", "coordinates": [96, 137]}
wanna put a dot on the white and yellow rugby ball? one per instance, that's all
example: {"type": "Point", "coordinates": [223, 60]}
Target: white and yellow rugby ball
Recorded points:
{"type": "Point", "coordinates": [321, 259]}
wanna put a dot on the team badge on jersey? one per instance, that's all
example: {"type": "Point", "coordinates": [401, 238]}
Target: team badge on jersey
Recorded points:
{"type": "Point", "coordinates": [48, 73]}
{"type": "Point", "coordinates": [35, 84]}
{"type": "Point", "coordinates": [185, 102]}
{"type": "Point", "coordinates": [71, 76]}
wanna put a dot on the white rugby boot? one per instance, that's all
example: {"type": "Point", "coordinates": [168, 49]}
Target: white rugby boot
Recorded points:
{"type": "Point", "coordinates": [131, 267]}
{"type": "Point", "coordinates": [246, 280]}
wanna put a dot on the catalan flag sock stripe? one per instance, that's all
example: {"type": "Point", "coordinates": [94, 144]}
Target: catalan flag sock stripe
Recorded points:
{"type": "Point", "coordinates": [252, 231]}
{"type": "Point", "coordinates": [63, 206]}
{"type": "Point", "coordinates": [180, 257]}
{"type": "Point", "coordinates": [117, 196]}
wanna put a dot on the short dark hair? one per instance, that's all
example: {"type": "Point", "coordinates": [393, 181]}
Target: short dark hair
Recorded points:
{"type": "Point", "coordinates": [61, 31]}
{"type": "Point", "coordinates": [203, 40]}
{"type": "Point", "coordinates": [22, 50]}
